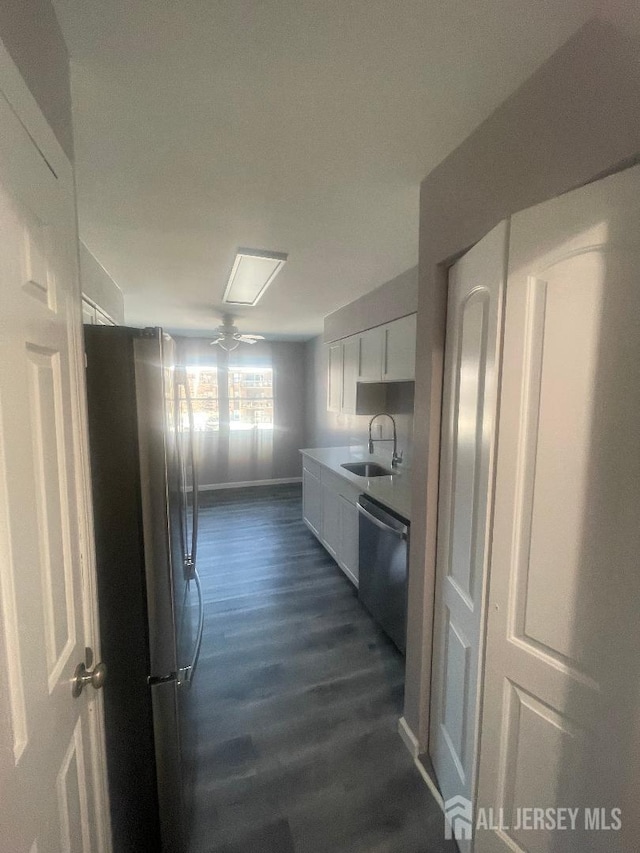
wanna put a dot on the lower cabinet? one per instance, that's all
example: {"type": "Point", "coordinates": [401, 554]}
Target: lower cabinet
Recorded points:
{"type": "Point", "coordinates": [330, 520]}
{"type": "Point", "coordinates": [312, 502]}
{"type": "Point", "coordinates": [329, 510]}
{"type": "Point", "coordinates": [348, 538]}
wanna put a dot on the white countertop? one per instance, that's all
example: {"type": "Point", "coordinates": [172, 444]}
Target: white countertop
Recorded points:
{"type": "Point", "coordinates": [393, 491]}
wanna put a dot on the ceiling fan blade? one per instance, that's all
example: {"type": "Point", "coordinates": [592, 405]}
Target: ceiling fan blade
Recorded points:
{"type": "Point", "coordinates": [245, 339]}
{"type": "Point", "coordinates": [254, 337]}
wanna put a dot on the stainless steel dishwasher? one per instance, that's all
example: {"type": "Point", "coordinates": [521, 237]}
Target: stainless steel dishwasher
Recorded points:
{"type": "Point", "coordinates": [383, 557]}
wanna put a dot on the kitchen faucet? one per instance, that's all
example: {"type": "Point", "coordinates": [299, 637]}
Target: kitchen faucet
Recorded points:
{"type": "Point", "coordinates": [396, 457]}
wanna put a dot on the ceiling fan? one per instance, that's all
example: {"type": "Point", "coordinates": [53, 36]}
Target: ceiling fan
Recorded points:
{"type": "Point", "coordinates": [230, 338]}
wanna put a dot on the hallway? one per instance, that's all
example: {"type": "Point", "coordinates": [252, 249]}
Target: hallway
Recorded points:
{"type": "Point", "coordinates": [297, 699]}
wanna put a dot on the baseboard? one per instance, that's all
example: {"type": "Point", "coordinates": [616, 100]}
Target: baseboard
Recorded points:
{"type": "Point", "coordinates": [411, 742]}
{"type": "Point", "coordinates": [211, 487]}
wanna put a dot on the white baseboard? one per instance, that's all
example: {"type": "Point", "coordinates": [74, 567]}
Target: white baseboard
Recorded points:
{"type": "Point", "coordinates": [211, 487]}
{"type": "Point", "coordinates": [411, 742]}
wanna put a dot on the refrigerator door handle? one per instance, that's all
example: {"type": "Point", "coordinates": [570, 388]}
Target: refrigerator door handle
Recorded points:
{"type": "Point", "coordinates": [194, 481]}
{"type": "Point", "coordinates": [187, 674]}
{"type": "Point", "coordinates": [152, 680]}
{"type": "Point", "coordinates": [190, 550]}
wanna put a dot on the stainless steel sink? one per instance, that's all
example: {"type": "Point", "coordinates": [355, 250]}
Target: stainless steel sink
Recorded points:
{"type": "Point", "coordinates": [366, 469]}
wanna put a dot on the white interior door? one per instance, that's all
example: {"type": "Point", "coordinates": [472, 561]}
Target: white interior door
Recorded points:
{"type": "Point", "coordinates": [476, 284]}
{"type": "Point", "coordinates": [51, 774]}
{"type": "Point", "coordinates": [562, 683]}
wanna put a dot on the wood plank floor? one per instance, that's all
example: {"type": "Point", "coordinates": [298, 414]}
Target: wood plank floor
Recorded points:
{"type": "Point", "coordinates": [297, 697]}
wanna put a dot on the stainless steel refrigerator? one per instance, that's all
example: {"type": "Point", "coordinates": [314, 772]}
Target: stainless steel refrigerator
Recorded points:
{"type": "Point", "coordinates": [145, 505]}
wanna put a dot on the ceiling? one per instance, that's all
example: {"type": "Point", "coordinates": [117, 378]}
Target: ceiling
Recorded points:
{"type": "Point", "coordinates": [303, 126]}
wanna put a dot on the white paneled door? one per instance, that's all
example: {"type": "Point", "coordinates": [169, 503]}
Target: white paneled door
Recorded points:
{"type": "Point", "coordinates": [560, 724]}
{"type": "Point", "coordinates": [476, 285]}
{"type": "Point", "coordinates": [51, 774]}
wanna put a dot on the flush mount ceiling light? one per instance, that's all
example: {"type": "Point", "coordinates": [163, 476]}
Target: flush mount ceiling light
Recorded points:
{"type": "Point", "coordinates": [252, 272]}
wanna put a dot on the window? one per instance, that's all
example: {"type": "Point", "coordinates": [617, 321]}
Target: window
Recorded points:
{"type": "Point", "coordinates": [250, 398]}
{"type": "Point", "coordinates": [246, 405]}
{"type": "Point", "coordinates": [203, 387]}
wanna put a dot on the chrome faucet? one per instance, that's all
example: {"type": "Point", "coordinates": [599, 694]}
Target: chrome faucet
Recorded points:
{"type": "Point", "coordinates": [396, 457]}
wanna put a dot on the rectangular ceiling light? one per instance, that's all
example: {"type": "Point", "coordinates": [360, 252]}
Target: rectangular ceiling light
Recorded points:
{"type": "Point", "coordinates": [252, 272]}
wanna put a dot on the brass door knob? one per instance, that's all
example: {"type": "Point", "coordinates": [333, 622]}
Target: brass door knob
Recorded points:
{"type": "Point", "coordinates": [82, 677]}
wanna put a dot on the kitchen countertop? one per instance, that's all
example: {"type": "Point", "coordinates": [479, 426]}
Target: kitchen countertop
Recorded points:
{"type": "Point", "coordinates": [393, 491]}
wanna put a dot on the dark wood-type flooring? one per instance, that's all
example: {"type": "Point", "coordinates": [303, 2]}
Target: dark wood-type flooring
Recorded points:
{"type": "Point", "coordinates": [297, 698]}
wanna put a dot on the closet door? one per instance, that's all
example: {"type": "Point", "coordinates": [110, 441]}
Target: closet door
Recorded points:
{"type": "Point", "coordinates": [476, 284]}
{"type": "Point", "coordinates": [560, 723]}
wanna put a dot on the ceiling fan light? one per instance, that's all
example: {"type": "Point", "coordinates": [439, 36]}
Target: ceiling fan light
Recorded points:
{"type": "Point", "coordinates": [229, 336]}
{"type": "Point", "coordinates": [252, 272]}
{"type": "Point", "coordinates": [227, 343]}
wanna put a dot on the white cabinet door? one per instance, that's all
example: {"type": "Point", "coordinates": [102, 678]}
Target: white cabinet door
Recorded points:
{"type": "Point", "coordinates": [94, 316]}
{"type": "Point", "coordinates": [329, 510]}
{"type": "Point", "coordinates": [386, 353]}
{"type": "Point", "coordinates": [560, 713]}
{"type": "Point", "coordinates": [476, 285]}
{"type": "Point", "coordinates": [312, 502]}
{"type": "Point", "coordinates": [399, 349]}
{"type": "Point", "coordinates": [370, 355]}
{"type": "Point", "coordinates": [350, 353]}
{"type": "Point", "coordinates": [348, 543]}
{"type": "Point", "coordinates": [334, 377]}
{"type": "Point", "coordinates": [330, 520]}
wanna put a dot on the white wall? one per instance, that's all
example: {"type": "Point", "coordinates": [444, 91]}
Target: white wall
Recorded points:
{"type": "Point", "coordinates": [394, 299]}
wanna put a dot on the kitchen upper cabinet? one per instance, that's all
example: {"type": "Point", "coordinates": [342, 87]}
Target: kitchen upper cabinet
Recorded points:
{"type": "Point", "coordinates": [383, 354]}
{"type": "Point", "coordinates": [93, 315]}
{"type": "Point", "coordinates": [370, 355]}
{"type": "Point", "coordinates": [88, 313]}
{"type": "Point", "coordinates": [350, 368]}
{"type": "Point", "coordinates": [399, 349]}
{"type": "Point", "coordinates": [335, 378]}
{"type": "Point", "coordinates": [312, 501]}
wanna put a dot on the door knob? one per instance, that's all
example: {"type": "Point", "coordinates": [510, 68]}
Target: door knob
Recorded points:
{"type": "Point", "coordinates": [82, 677]}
